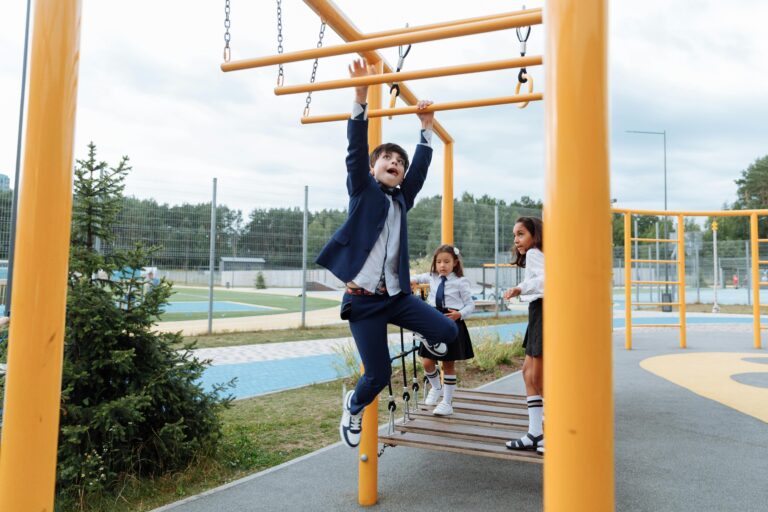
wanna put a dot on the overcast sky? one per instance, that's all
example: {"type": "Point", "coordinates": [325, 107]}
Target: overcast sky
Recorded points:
{"type": "Point", "coordinates": [151, 88]}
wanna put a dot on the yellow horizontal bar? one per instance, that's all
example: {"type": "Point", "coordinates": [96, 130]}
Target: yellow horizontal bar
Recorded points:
{"type": "Point", "coordinates": [467, 29]}
{"type": "Point", "coordinates": [762, 262]}
{"type": "Point", "coordinates": [655, 282]}
{"type": "Point", "coordinates": [763, 283]}
{"type": "Point", "coordinates": [435, 107]}
{"type": "Point", "coordinates": [654, 240]}
{"type": "Point", "coordinates": [499, 265]}
{"type": "Point", "coordinates": [655, 303]}
{"type": "Point", "coordinates": [654, 261]}
{"type": "Point", "coordinates": [407, 30]}
{"type": "Point", "coordinates": [670, 213]}
{"type": "Point", "coordinates": [762, 240]}
{"type": "Point", "coordinates": [654, 325]}
{"type": "Point", "coordinates": [388, 78]}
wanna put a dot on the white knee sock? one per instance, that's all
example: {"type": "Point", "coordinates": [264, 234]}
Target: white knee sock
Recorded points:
{"type": "Point", "coordinates": [450, 387]}
{"type": "Point", "coordinates": [434, 379]}
{"type": "Point", "coordinates": [535, 413]}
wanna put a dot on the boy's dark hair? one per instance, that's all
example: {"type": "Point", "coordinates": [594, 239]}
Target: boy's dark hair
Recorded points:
{"type": "Point", "coordinates": [458, 268]}
{"type": "Point", "coordinates": [387, 148]}
{"type": "Point", "coordinates": [536, 228]}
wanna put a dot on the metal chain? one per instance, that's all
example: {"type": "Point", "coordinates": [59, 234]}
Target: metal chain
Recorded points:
{"type": "Point", "coordinates": [314, 67]}
{"type": "Point", "coordinates": [227, 37]}
{"type": "Point", "coordinates": [384, 447]}
{"type": "Point", "coordinates": [280, 73]}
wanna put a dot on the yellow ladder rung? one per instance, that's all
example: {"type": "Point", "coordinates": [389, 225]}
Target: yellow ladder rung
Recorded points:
{"type": "Point", "coordinates": [655, 282]}
{"type": "Point", "coordinates": [762, 305]}
{"type": "Point", "coordinates": [654, 240]}
{"type": "Point", "coordinates": [762, 262]}
{"type": "Point", "coordinates": [655, 303]}
{"type": "Point", "coordinates": [655, 325]}
{"type": "Point", "coordinates": [762, 240]}
{"type": "Point", "coordinates": [655, 261]}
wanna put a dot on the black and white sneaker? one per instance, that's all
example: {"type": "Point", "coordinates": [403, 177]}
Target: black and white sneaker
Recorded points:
{"type": "Point", "coordinates": [437, 350]}
{"type": "Point", "coordinates": [351, 424]}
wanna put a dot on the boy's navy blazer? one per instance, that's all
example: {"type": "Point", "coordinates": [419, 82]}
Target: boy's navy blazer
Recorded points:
{"type": "Point", "coordinates": [345, 253]}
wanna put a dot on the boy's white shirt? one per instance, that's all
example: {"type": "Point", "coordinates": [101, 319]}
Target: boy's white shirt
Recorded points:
{"type": "Point", "coordinates": [532, 287]}
{"type": "Point", "coordinates": [457, 292]}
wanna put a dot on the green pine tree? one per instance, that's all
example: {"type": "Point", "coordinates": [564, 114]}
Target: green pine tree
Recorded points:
{"type": "Point", "coordinates": [131, 404]}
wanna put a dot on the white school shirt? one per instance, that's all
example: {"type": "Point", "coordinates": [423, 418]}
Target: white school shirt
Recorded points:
{"type": "Point", "coordinates": [457, 293]}
{"type": "Point", "coordinates": [388, 243]}
{"type": "Point", "coordinates": [532, 287]}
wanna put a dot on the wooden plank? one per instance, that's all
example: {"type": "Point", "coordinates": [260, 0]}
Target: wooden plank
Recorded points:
{"type": "Point", "coordinates": [473, 419]}
{"type": "Point", "coordinates": [480, 392]}
{"type": "Point", "coordinates": [498, 451]}
{"type": "Point", "coordinates": [490, 400]}
{"type": "Point", "coordinates": [483, 410]}
{"type": "Point", "coordinates": [459, 431]}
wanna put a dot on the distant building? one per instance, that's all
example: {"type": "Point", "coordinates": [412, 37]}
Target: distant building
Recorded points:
{"type": "Point", "coordinates": [5, 182]}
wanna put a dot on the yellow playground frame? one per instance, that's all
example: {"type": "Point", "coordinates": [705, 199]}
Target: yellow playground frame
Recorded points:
{"type": "Point", "coordinates": [755, 263]}
{"type": "Point", "coordinates": [578, 474]}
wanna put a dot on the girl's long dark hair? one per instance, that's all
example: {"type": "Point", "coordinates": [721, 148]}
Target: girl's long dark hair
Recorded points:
{"type": "Point", "coordinates": [458, 268]}
{"type": "Point", "coordinates": [536, 228]}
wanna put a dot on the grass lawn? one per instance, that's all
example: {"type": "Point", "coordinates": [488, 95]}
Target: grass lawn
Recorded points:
{"type": "Point", "coordinates": [282, 303]}
{"type": "Point", "coordinates": [258, 434]}
{"type": "Point", "coordinates": [313, 333]}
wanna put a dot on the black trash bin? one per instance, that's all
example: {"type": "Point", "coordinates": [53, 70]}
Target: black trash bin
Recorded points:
{"type": "Point", "coordinates": [666, 297]}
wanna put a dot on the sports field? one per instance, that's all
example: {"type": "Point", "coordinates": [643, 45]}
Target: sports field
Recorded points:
{"type": "Point", "coordinates": [192, 304]}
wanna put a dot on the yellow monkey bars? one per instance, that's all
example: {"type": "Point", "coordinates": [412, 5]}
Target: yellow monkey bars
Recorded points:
{"type": "Point", "coordinates": [421, 36]}
{"type": "Point", "coordinates": [388, 78]}
{"type": "Point", "coordinates": [435, 107]}
{"type": "Point", "coordinates": [680, 262]}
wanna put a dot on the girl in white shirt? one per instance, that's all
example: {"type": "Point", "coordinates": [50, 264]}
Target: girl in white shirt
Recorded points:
{"type": "Point", "coordinates": [528, 253]}
{"type": "Point", "coordinates": [449, 293]}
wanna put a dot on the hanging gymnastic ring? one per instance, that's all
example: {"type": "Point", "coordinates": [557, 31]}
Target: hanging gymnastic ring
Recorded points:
{"type": "Point", "coordinates": [529, 80]}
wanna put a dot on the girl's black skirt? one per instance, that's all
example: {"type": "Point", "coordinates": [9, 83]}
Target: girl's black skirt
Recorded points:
{"type": "Point", "coordinates": [460, 350]}
{"type": "Point", "coordinates": [534, 339]}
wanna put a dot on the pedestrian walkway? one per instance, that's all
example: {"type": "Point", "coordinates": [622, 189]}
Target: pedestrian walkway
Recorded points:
{"type": "Point", "coordinates": [675, 449]}
{"type": "Point", "coordinates": [270, 367]}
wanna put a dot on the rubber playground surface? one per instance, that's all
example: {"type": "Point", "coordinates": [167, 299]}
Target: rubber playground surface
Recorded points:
{"type": "Point", "coordinates": [690, 435]}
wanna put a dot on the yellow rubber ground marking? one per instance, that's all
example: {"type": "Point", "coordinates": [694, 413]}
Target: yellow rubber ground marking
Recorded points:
{"type": "Point", "coordinates": [709, 374]}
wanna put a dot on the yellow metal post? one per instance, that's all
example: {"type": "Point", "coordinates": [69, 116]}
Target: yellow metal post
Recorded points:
{"type": "Point", "coordinates": [578, 468]}
{"type": "Point", "coordinates": [755, 253]}
{"type": "Point", "coordinates": [681, 276]}
{"type": "Point", "coordinates": [33, 385]}
{"type": "Point", "coordinates": [628, 281]}
{"type": "Point", "coordinates": [447, 215]}
{"type": "Point", "coordinates": [368, 465]}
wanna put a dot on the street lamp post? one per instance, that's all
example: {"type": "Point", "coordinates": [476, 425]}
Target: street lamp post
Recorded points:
{"type": "Point", "coordinates": [666, 267]}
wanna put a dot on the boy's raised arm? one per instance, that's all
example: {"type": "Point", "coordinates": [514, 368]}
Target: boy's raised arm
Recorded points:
{"type": "Point", "coordinates": [417, 173]}
{"type": "Point", "coordinates": [358, 164]}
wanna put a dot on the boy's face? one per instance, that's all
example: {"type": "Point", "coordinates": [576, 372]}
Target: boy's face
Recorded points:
{"type": "Point", "coordinates": [389, 169]}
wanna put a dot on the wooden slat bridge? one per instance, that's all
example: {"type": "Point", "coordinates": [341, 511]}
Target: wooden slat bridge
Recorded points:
{"type": "Point", "coordinates": [480, 425]}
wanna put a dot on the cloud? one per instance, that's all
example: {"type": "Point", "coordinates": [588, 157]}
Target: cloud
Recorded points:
{"type": "Point", "coordinates": [150, 87]}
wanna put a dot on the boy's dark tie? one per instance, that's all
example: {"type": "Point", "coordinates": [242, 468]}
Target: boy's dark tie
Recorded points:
{"type": "Point", "coordinates": [440, 294]}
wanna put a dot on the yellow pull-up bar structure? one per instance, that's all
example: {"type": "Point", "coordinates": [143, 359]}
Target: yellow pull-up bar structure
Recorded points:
{"type": "Point", "coordinates": [407, 30]}
{"type": "Point", "coordinates": [478, 27]}
{"type": "Point", "coordinates": [389, 78]}
{"type": "Point", "coordinates": [36, 340]}
{"type": "Point", "coordinates": [435, 107]}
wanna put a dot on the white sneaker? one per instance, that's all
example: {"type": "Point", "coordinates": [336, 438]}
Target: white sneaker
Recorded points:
{"type": "Point", "coordinates": [443, 409]}
{"type": "Point", "coordinates": [434, 396]}
{"type": "Point", "coordinates": [438, 349]}
{"type": "Point", "coordinates": [351, 424]}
